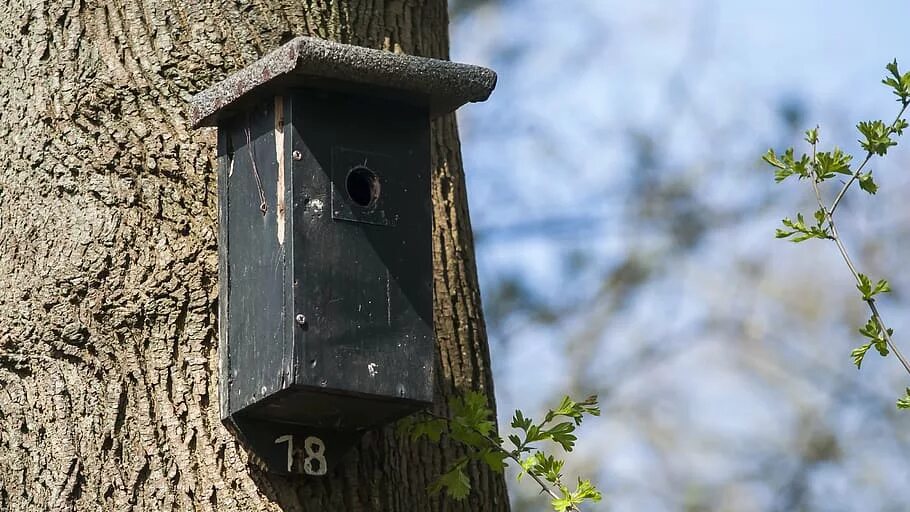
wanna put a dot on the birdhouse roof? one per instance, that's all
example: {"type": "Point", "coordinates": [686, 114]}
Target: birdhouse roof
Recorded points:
{"type": "Point", "coordinates": [440, 85]}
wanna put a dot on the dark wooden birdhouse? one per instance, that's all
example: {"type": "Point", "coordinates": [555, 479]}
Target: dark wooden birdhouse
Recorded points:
{"type": "Point", "coordinates": [325, 262]}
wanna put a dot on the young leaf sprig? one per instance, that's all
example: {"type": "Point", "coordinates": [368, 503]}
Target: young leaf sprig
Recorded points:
{"type": "Point", "coordinates": [470, 423]}
{"type": "Point", "coordinates": [819, 167]}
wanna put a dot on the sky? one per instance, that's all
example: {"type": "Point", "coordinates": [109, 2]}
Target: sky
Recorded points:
{"type": "Point", "coordinates": [599, 104]}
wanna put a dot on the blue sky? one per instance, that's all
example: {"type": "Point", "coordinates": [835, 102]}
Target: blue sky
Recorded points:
{"type": "Point", "coordinates": [550, 160]}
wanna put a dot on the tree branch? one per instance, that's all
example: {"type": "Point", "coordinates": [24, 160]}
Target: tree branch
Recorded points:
{"type": "Point", "coordinates": [544, 488]}
{"type": "Point", "coordinates": [829, 216]}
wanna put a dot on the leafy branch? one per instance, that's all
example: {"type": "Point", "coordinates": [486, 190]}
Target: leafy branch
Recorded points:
{"type": "Point", "coordinates": [471, 424]}
{"type": "Point", "coordinates": [877, 138]}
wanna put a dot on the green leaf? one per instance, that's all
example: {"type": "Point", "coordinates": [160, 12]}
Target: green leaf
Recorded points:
{"type": "Point", "coordinates": [787, 165]}
{"type": "Point", "coordinates": [799, 167]}
{"type": "Point", "coordinates": [519, 421]}
{"type": "Point", "coordinates": [864, 286]}
{"type": "Point", "coordinates": [877, 137]}
{"type": "Point", "coordinates": [545, 466]}
{"type": "Point", "coordinates": [904, 401]}
{"type": "Point", "coordinates": [455, 482]}
{"type": "Point", "coordinates": [819, 216]}
{"type": "Point", "coordinates": [812, 135]}
{"type": "Point", "coordinates": [866, 183]}
{"type": "Point", "coordinates": [432, 429]}
{"type": "Point", "coordinates": [881, 286]}
{"type": "Point", "coordinates": [892, 67]}
{"type": "Point", "coordinates": [562, 433]}
{"type": "Point", "coordinates": [782, 174]}
{"type": "Point", "coordinates": [422, 425]}
{"type": "Point", "coordinates": [574, 410]}
{"type": "Point", "coordinates": [859, 353]}
{"type": "Point", "coordinates": [532, 435]}
{"type": "Point", "coordinates": [799, 232]}
{"type": "Point", "coordinates": [494, 458]}
{"type": "Point", "coordinates": [871, 330]}
{"type": "Point", "coordinates": [530, 462]}
{"type": "Point", "coordinates": [584, 491]}
{"type": "Point", "coordinates": [882, 345]}
{"type": "Point", "coordinates": [899, 83]}
{"type": "Point", "coordinates": [771, 158]}
{"type": "Point", "coordinates": [562, 504]}
{"type": "Point", "coordinates": [829, 164]}
{"type": "Point", "coordinates": [471, 420]}
{"type": "Point", "coordinates": [874, 332]}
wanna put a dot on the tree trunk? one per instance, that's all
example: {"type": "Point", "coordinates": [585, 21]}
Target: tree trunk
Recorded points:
{"type": "Point", "coordinates": [108, 341]}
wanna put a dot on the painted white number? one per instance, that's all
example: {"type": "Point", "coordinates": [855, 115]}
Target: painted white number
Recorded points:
{"type": "Point", "coordinates": [315, 451]}
{"type": "Point", "coordinates": [289, 439]}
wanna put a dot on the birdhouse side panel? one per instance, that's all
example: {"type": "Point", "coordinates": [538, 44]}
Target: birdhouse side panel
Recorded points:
{"type": "Point", "coordinates": [260, 347]}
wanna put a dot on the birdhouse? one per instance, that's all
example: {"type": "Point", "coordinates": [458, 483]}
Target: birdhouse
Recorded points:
{"type": "Point", "coordinates": [325, 261]}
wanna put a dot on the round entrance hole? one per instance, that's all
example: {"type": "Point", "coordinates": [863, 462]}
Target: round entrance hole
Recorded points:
{"type": "Point", "coordinates": [362, 185]}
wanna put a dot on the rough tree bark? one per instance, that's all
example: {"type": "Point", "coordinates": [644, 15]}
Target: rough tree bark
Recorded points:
{"type": "Point", "coordinates": [108, 261]}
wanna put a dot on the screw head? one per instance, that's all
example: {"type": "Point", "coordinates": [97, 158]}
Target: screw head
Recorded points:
{"type": "Point", "coordinates": [297, 155]}
{"type": "Point", "coordinates": [300, 319]}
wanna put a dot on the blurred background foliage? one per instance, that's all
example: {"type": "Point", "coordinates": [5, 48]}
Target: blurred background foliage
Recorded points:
{"type": "Point", "coordinates": [625, 241]}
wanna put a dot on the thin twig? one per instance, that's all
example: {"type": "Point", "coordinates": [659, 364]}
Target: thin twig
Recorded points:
{"type": "Point", "coordinates": [829, 215]}
{"type": "Point", "coordinates": [887, 334]}
{"type": "Point", "coordinates": [849, 182]}
{"type": "Point", "coordinates": [870, 301]}
{"type": "Point", "coordinates": [543, 486]}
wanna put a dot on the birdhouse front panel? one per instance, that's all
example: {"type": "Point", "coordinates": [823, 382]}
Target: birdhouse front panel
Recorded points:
{"type": "Point", "coordinates": [362, 248]}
